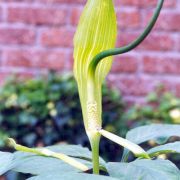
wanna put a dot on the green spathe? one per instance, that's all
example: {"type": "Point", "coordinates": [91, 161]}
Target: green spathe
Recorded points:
{"type": "Point", "coordinates": [96, 31]}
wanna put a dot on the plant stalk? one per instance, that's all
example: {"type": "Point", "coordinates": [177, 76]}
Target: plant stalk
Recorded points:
{"type": "Point", "coordinates": [94, 121]}
{"type": "Point", "coordinates": [94, 140]}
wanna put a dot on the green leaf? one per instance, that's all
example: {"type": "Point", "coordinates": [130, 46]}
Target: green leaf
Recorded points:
{"type": "Point", "coordinates": [144, 170]}
{"type": "Point", "coordinates": [75, 151]}
{"type": "Point", "coordinates": [5, 162]}
{"type": "Point", "coordinates": [159, 133]}
{"type": "Point", "coordinates": [152, 132]}
{"type": "Point", "coordinates": [33, 164]}
{"type": "Point", "coordinates": [71, 176]}
{"type": "Point", "coordinates": [165, 149]}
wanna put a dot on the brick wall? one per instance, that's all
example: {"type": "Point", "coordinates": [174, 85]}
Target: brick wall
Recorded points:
{"type": "Point", "coordinates": [36, 35]}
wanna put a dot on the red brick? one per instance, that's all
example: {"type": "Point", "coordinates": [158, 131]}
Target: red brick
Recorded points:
{"type": "Point", "coordinates": [132, 86]}
{"type": "Point", "coordinates": [17, 36]}
{"type": "Point", "coordinates": [57, 37]}
{"type": "Point", "coordinates": [177, 89]}
{"type": "Point", "coordinates": [145, 3]}
{"type": "Point", "coordinates": [3, 77]}
{"type": "Point", "coordinates": [169, 21]}
{"type": "Point", "coordinates": [125, 64]}
{"type": "Point", "coordinates": [155, 42]}
{"type": "Point", "coordinates": [13, 72]}
{"type": "Point", "coordinates": [170, 3]}
{"type": "Point", "coordinates": [70, 60]}
{"type": "Point", "coordinates": [20, 1]}
{"type": "Point", "coordinates": [136, 85]}
{"type": "Point", "coordinates": [35, 59]}
{"type": "Point", "coordinates": [126, 2]}
{"type": "Point", "coordinates": [178, 43]}
{"type": "Point", "coordinates": [63, 1]}
{"type": "Point", "coordinates": [128, 19]}
{"type": "Point", "coordinates": [51, 60]}
{"type": "Point", "coordinates": [75, 15]}
{"type": "Point", "coordinates": [167, 3]}
{"type": "Point", "coordinates": [158, 42]}
{"type": "Point", "coordinates": [161, 65]}
{"type": "Point", "coordinates": [1, 14]}
{"type": "Point", "coordinates": [38, 16]}
{"type": "Point", "coordinates": [0, 55]}
{"type": "Point", "coordinates": [53, 21]}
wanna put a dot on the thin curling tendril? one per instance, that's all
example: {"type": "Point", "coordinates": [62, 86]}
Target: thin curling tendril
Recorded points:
{"type": "Point", "coordinates": [125, 49]}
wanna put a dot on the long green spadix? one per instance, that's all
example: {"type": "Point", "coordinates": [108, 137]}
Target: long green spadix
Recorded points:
{"type": "Point", "coordinates": [134, 148]}
{"type": "Point", "coordinates": [96, 32]}
{"type": "Point", "coordinates": [49, 153]}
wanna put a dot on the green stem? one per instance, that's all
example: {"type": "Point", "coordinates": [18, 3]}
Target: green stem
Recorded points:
{"type": "Point", "coordinates": [95, 139]}
{"type": "Point", "coordinates": [93, 121]}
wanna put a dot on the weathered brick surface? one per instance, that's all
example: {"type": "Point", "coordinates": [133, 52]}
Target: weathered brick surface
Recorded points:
{"type": "Point", "coordinates": [154, 42]}
{"type": "Point", "coordinates": [161, 65]}
{"type": "Point", "coordinates": [51, 59]}
{"type": "Point", "coordinates": [37, 15]}
{"type": "Point", "coordinates": [17, 36]}
{"type": "Point", "coordinates": [37, 35]}
{"type": "Point", "coordinates": [1, 14]}
{"type": "Point", "coordinates": [125, 64]}
{"type": "Point", "coordinates": [145, 3]}
{"type": "Point", "coordinates": [128, 19]}
{"type": "Point", "coordinates": [56, 37]}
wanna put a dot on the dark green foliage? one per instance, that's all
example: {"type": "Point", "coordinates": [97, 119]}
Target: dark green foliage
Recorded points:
{"type": "Point", "coordinates": [160, 133]}
{"type": "Point", "coordinates": [28, 113]}
{"type": "Point", "coordinates": [160, 107]}
{"type": "Point", "coordinates": [43, 167]}
{"type": "Point", "coordinates": [47, 110]}
{"type": "Point", "coordinates": [145, 170]}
